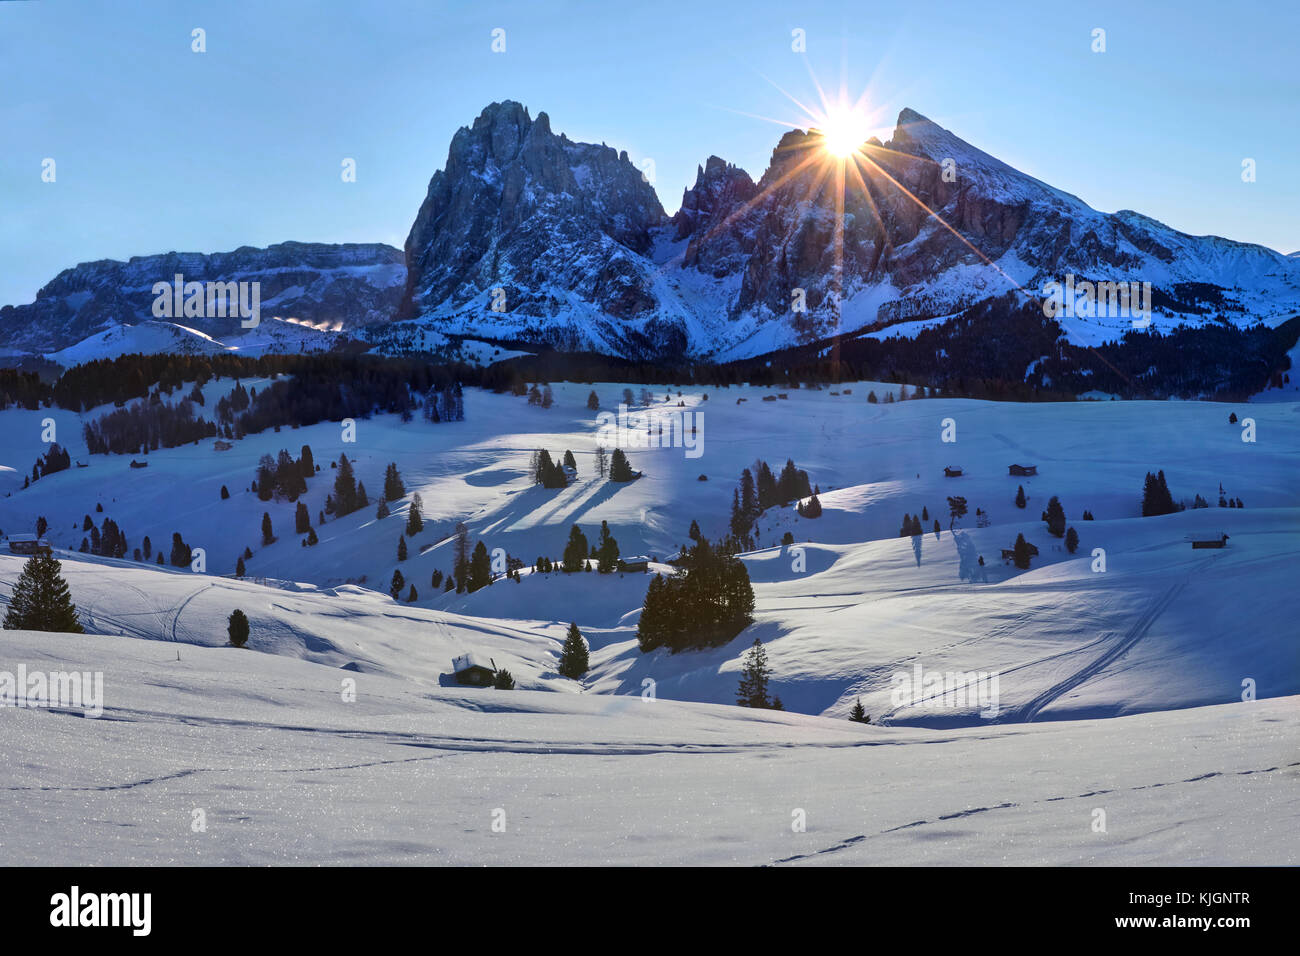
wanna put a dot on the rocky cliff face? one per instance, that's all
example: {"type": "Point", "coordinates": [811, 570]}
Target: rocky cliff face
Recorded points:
{"type": "Point", "coordinates": [343, 286]}
{"type": "Point", "coordinates": [561, 229]}
{"type": "Point", "coordinates": [921, 226]}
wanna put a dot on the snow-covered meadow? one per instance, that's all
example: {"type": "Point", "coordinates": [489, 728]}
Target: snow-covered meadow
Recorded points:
{"type": "Point", "coordinates": [1121, 675]}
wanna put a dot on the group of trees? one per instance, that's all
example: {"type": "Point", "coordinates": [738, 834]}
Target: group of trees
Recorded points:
{"type": "Point", "coordinates": [708, 601]}
{"type": "Point", "coordinates": [55, 460]}
{"type": "Point", "coordinates": [146, 426]}
{"type": "Point", "coordinates": [107, 541]}
{"type": "Point", "coordinates": [760, 489]}
{"type": "Point", "coordinates": [1156, 498]}
{"type": "Point", "coordinates": [283, 476]}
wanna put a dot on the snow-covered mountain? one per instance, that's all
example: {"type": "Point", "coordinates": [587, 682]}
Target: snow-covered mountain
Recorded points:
{"type": "Point", "coordinates": [327, 286]}
{"type": "Point", "coordinates": [584, 257]}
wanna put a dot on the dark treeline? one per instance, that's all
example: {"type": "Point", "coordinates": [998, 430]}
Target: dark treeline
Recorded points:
{"type": "Point", "coordinates": [146, 427]}
{"type": "Point", "coordinates": [984, 353]}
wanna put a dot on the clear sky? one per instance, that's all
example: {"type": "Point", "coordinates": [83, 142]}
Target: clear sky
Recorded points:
{"type": "Point", "coordinates": [159, 148]}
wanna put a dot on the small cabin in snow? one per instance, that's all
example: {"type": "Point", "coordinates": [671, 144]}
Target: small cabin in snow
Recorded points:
{"type": "Point", "coordinates": [1215, 541]}
{"type": "Point", "coordinates": [1023, 471]}
{"type": "Point", "coordinates": [950, 472]}
{"type": "Point", "coordinates": [468, 670]}
{"type": "Point", "coordinates": [28, 544]}
{"type": "Point", "coordinates": [1009, 554]}
{"type": "Point", "coordinates": [636, 563]}
{"type": "Point", "coordinates": [570, 474]}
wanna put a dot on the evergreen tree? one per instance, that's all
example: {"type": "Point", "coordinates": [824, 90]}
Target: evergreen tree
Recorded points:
{"type": "Point", "coordinates": [312, 539]}
{"type": "Point", "coordinates": [345, 488]}
{"type": "Point", "coordinates": [225, 493]}
{"type": "Point", "coordinates": [40, 600]}
{"type": "Point", "coordinates": [412, 595]}
{"type": "Point", "coordinates": [393, 486]}
{"type": "Point", "coordinates": [1071, 541]}
{"type": "Point", "coordinates": [754, 677]}
{"type": "Point", "coordinates": [573, 656]}
{"type": "Point", "coordinates": [363, 499]}
{"type": "Point", "coordinates": [1021, 553]}
{"type": "Point", "coordinates": [414, 520]}
{"type": "Point", "coordinates": [147, 547]}
{"type": "Point", "coordinates": [859, 714]}
{"type": "Point", "coordinates": [1021, 500]}
{"type": "Point", "coordinates": [267, 536]}
{"type": "Point", "coordinates": [382, 510]}
{"type": "Point", "coordinates": [1055, 518]}
{"type": "Point", "coordinates": [619, 468]}
{"type": "Point", "coordinates": [240, 570]}
{"type": "Point", "coordinates": [593, 402]}
{"type": "Point", "coordinates": [301, 519]}
{"type": "Point", "coordinates": [237, 628]}
{"type": "Point", "coordinates": [181, 555]}
{"type": "Point", "coordinates": [401, 548]}
{"type": "Point", "coordinates": [694, 532]}
{"type": "Point", "coordinates": [398, 582]}
{"type": "Point", "coordinates": [504, 680]}
{"type": "Point", "coordinates": [575, 551]}
{"type": "Point", "coordinates": [480, 569]}
{"type": "Point", "coordinates": [606, 550]}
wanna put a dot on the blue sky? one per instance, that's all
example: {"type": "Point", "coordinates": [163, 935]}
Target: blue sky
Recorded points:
{"type": "Point", "coordinates": [159, 148]}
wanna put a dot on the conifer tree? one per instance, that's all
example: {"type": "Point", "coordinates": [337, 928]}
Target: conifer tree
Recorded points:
{"type": "Point", "coordinates": [240, 571]}
{"type": "Point", "coordinates": [754, 678]}
{"type": "Point", "coordinates": [593, 402]}
{"type": "Point", "coordinates": [574, 655]}
{"type": "Point", "coordinates": [401, 547]}
{"type": "Point", "coordinates": [345, 488]}
{"type": "Point", "coordinates": [398, 582]}
{"type": "Point", "coordinates": [237, 628]}
{"type": "Point", "coordinates": [382, 510]}
{"type": "Point", "coordinates": [1055, 518]}
{"type": "Point", "coordinates": [619, 468]}
{"type": "Point", "coordinates": [859, 714]}
{"type": "Point", "coordinates": [40, 600]}
{"type": "Point", "coordinates": [606, 550]}
{"type": "Point", "coordinates": [1021, 500]}
{"type": "Point", "coordinates": [1021, 553]}
{"type": "Point", "coordinates": [267, 535]}
{"type": "Point", "coordinates": [393, 487]}
{"type": "Point", "coordinates": [575, 551]}
{"type": "Point", "coordinates": [301, 519]}
{"type": "Point", "coordinates": [1071, 541]}
{"type": "Point", "coordinates": [414, 520]}
{"type": "Point", "coordinates": [504, 680]}
{"type": "Point", "coordinates": [480, 569]}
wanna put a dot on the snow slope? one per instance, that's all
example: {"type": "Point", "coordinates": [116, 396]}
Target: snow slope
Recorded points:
{"type": "Point", "coordinates": [1162, 627]}
{"type": "Point", "coordinates": [286, 772]}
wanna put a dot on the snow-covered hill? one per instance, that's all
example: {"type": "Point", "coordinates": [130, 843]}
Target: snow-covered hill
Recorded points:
{"type": "Point", "coordinates": [219, 756]}
{"type": "Point", "coordinates": [1152, 631]}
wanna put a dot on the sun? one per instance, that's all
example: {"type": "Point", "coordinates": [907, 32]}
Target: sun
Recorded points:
{"type": "Point", "coordinates": [844, 130]}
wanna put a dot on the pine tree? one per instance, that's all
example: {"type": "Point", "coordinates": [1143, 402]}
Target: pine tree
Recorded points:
{"type": "Point", "coordinates": [414, 520]}
{"type": "Point", "coordinates": [225, 493]}
{"type": "Point", "coordinates": [301, 519]}
{"type": "Point", "coordinates": [1071, 541]}
{"type": "Point", "coordinates": [393, 487]}
{"type": "Point", "coordinates": [504, 680]}
{"type": "Point", "coordinates": [480, 569]}
{"type": "Point", "coordinates": [382, 510]}
{"type": "Point", "coordinates": [237, 628]}
{"type": "Point", "coordinates": [593, 402]}
{"type": "Point", "coordinates": [606, 550]}
{"type": "Point", "coordinates": [240, 570]}
{"type": "Point", "coordinates": [401, 548]}
{"type": "Point", "coordinates": [1055, 518]}
{"type": "Point", "coordinates": [1021, 500]}
{"type": "Point", "coordinates": [1021, 553]}
{"type": "Point", "coordinates": [694, 532]}
{"type": "Point", "coordinates": [345, 488]}
{"type": "Point", "coordinates": [181, 554]}
{"type": "Point", "coordinates": [412, 595]}
{"type": "Point", "coordinates": [312, 539]}
{"type": "Point", "coordinates": [573, 656]}
{"type": "Point", "coordinates": [754, 677]}
{"type": "Point", "coordinates": [40, 600]}
{"type": "Point", "coordinates": [619, 468]}
{"type": "Point", "coordinates": [859, 714]}
{"type": "Point", "coordinates": [363, 499]}
{"type": "Point", "coordinates": [575, 551]}
{"type": "Point", "coordinates": [267, 536]}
